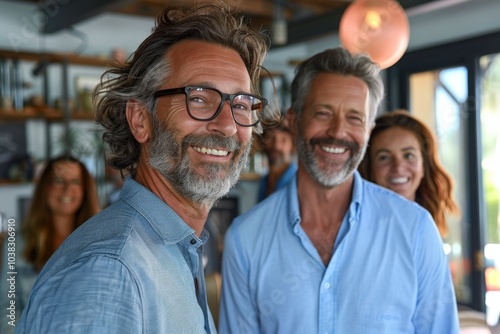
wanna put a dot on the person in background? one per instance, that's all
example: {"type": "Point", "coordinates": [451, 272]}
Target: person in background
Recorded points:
{"type": "Point", "coordinates": [331, 252]}
{"type": "Point", "coordinates": [178, 119]}
{"type": "Point", "coordinates": [402, 156]}
{"type": "Point", "coordinates": [64, 197]}
{"type": "Point", "coordinates": [280, 151]}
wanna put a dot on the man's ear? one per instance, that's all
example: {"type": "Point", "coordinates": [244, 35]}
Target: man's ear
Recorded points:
{"type": "Point", "coordinates": [138, 121]}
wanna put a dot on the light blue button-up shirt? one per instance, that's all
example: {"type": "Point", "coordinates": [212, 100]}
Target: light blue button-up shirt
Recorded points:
{"type": "Point", "coordinates": [388, 273]}
{"type": "Point", "coordinates": [130, 269]}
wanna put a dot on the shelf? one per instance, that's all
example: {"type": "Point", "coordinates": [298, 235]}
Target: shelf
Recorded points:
{"type": "Point", "coordinates": [34, 129]}
{"type": "Point", "coordinates": [47, 113]}
{"type": "Point", "coordinates": [58, 58]}
{"type": "Point", "coordinates": [250, 176]}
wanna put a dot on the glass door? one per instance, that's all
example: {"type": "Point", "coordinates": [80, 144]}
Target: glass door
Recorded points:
{"type": "Point", "coordinates": [455, 89]}
{"type": "Point", "coordinates": [439, 99]}
{"type": "Point", "coordinates": [490, 164]}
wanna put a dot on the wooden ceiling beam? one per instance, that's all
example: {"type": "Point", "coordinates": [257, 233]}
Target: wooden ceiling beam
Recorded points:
{"type": "Point", "coordinates": [306, 18]}
{"type": "Point", "coordinates": [321, 25]}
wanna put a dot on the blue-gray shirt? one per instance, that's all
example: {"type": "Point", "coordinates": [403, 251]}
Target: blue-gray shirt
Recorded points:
{"type": "Point", "coordinates": [136, 267]}
{"type": "Point", "coordinates": [388, 273]}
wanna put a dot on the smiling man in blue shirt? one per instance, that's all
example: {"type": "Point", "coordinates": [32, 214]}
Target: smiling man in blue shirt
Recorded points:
{"type": "Point", "coordinates": [331, 252]}
{"type": "Point", "coordinates": [179, 118]}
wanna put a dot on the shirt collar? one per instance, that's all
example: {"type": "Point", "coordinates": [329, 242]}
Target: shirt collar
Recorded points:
{"type": "Point", "coordinates": [166, 223]}
{"type": "Point", "coordinates": [293, 202]}
{"type": "Point", "coordinates": [357, 197]}
{"type": "Point", "coordinates": [354, 208]}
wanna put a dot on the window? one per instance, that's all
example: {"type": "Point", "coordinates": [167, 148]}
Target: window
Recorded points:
{"type": "Point", "coordinates": [439, 98]}
{"type": "Point", "coordinates": [490, 165]}
{"type": "Point", "coordinates": [455, 90]}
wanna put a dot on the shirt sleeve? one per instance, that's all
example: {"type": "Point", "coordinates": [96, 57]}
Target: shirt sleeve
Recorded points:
{"type": "Point", "coordinates": [436, 309]}
{"type": "Point", "coordinates": [95, 295]}
{"type": "Point", "coordinates": [238, 313]}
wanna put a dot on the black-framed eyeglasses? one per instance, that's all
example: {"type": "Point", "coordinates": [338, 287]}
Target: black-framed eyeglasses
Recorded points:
{"type": "Point", "coordinates": [205, 104]}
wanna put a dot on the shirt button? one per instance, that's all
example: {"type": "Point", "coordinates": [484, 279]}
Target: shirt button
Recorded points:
{"type": "Point", "coordinates": [193, 241]}
{"type": "Point", "coordinates": [327, 285]}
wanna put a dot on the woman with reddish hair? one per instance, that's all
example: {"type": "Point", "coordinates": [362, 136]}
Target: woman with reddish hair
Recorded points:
{"type": "Point", "coordinates": [402, 156]}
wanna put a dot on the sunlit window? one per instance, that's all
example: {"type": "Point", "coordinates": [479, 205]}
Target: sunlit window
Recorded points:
{"type": "Point", "coordinates": [439, 99]}
{"type": "Point", "coordinates": [490, 164]}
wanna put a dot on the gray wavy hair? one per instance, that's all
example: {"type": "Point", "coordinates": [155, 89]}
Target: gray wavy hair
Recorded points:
{"type": "Point", "coordinates": [342, 62]}
{"type": "Point", "coordinates": [148, 68]}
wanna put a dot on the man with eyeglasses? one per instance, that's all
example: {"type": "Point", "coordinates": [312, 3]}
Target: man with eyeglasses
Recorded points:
{"type": "Point", "coordinates": [178, 118]}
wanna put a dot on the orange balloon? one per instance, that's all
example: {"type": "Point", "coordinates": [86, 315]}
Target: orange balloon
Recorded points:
{"type": "Point", "coordinates": [379, 28]}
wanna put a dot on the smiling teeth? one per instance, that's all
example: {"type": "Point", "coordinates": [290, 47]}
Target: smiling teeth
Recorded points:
{"type": "Point", "coordinates": [333, 149]}
{"type": "Point", "coordinates": [211, 151]}
{"type": "Point", "coordinates": [65, 199]}
{"type": "Point", "coordinates": [399, 180]}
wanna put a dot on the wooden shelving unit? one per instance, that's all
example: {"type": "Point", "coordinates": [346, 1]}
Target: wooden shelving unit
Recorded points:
{"type": "Point", "coordinates": [47, 113]}
{"type": "Point", "coordinates": [57, 58]}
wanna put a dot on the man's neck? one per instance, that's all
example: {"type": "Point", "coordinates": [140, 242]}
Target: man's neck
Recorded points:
{"type": "Point", "coordinates": [322, 211]}
{"type": "Point", "coordinates": [318, 199]}
{"type": "Point", "coordinates": [193, 214]}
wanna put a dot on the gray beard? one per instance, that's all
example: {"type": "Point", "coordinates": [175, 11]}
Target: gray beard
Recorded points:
{"type": "Point", "coordinates": [324, 175]}
{"type": "Point", "coordinates": [169, 157]}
